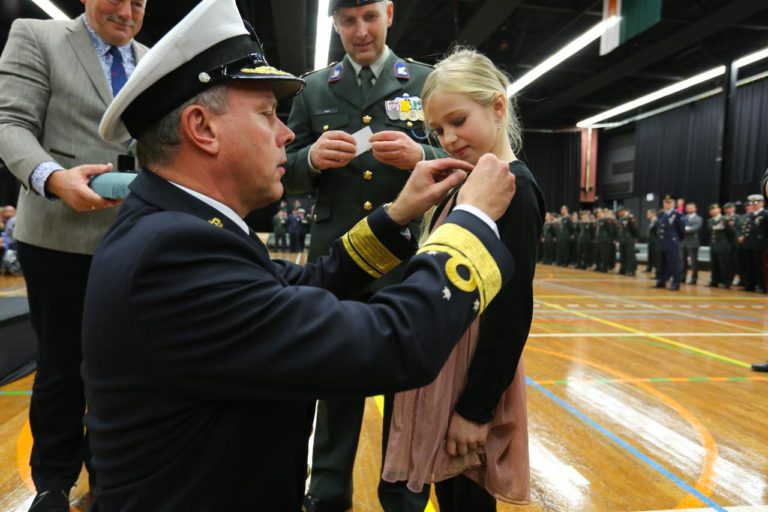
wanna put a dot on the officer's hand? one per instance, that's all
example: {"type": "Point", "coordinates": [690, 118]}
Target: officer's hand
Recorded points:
{"type": "Point", "coordinates": [428, 184]}
{"type": "Point", "coordinates": [396, 149]}
{"type": "Point", "coordinates": [490, 186]}
{"type": "Point", "coordinates": [71, 186]}
{"type": "Point", "coordinates": [465, 436]}
{"type": "Point", "coordinates": [332, 150]}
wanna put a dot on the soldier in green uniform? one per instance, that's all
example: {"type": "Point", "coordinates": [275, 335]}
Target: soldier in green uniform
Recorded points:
{"type": "Point", "coordinates": [370, 88]}
{"type": "Point", "coordinates": [565, 234]}
{"type": "Point", "coordinates": [722, 238]}
{"type": "Point", "coordinates": [734, 220]}
{"type": "Point", "coordinates": [585, 230]}
{"type": "Point", "coordinates": [604, 233]}
{"type": "Point", "coordinates": [626, 233]}
{"type": "Point", "coordinates": [549, 235]}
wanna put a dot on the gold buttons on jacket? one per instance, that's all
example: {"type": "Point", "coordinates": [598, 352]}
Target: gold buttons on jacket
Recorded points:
{"type": "Point", "coordinates": [367, 175]}
{"type": "Point", "coordinates": [367, 119]}
{"type": "Point", "coordinates": [367, 206]}
{"type": "Point", "coordinates": [325, 127]}
{"type": "Point", "coordinates": [409, 124]}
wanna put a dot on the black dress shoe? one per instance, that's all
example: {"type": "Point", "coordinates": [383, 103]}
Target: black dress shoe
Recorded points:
{"type": "Point", "coordinates": [760, 367]}
{"type": "Point", "coordinates": [50, 501]}
{"type": "Point", "coordinates": [692, 281]}
{"type": "Point", "coordinates": [659, 285]}
{"type": "Point", "coordinates": [315, 504]}
{"type": "Point", "coordinates": [675, 287]}
{"type": "Point", "coordinates": [712, 285]}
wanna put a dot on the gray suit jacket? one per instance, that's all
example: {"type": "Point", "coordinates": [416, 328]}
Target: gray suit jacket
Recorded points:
{"type": "Point", "coordinates": [693, 226]}
{"type": "Point", "coordinates": [53, 93]}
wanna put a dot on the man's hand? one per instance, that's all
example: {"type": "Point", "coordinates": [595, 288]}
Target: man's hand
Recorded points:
{"type": "Point", "coordinates": [428, 185]}
{"type": "Point", "coordinates": [490, 186]}
{"type": "Point", "coordinates": [332, 150]}
{"type": "Point", "coordinates": [464, 436]}
{"type": "Point", "coordinates": [396, 149]}
{"type": "Point", "coordinates": [71, 186]}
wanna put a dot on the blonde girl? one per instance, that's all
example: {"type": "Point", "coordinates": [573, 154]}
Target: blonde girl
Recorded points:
{"type": "Point", "coordinates": [467, 431]}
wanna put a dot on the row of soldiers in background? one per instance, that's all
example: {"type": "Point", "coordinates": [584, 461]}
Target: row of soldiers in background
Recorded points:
{"type": "Point", "coordinates": [294, 224]}
{"type": "Point", "coordinates": [588, 240]}
{"type": "Point", "coordinates": [738, 242]}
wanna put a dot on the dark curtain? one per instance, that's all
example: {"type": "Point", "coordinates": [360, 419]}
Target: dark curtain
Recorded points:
{"type": "Point", "coordinates": [555, 161]}
{"type": "Point", "coordinates": [678, 152]}
{"type": "Point", "coordinates": [750, 138]}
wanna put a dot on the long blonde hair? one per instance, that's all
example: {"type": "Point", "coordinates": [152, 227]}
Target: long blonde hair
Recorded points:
{"type": "Point", "coordinates": [466, 71]}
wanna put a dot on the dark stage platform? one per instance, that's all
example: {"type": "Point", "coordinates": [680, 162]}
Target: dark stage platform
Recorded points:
{"type": "Point", "coordinates": [18, 346]}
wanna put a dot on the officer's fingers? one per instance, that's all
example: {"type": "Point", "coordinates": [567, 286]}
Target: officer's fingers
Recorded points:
{"type": "Point", "coordinates": [340, 146]}
{"type": "Point", "coordinates": [461, 448]}
{"type": "Point", "coordinates": [472, 446]}
{"type": "Point", "coordinates": [388, 146]}
{"type": "Point", "coordinates": [387, 135]}
{"type": "Point", "coordinates": [338, 135]}
{"type": "Point", "coordinates": [450, 447]}
{"type": "Point", "coordinates": [89, 170]}
{"type": "Point", "coordinates": [336, 156]}
{"type": "Point", "coordinates": [443, 164]}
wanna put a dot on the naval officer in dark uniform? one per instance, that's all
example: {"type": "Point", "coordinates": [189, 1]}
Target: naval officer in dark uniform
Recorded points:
{"type": "Point", "coordinates": [670, 236]}
{"type": "Point", "coordinates": [202, 357]}
{"type": "Point", "coordinates": [762, 367]}
{"type": "Point", "coordinates": [371, 87]}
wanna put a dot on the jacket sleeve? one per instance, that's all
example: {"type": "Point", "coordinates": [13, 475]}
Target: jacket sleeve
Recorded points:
{"type": "Point", "coordinates": [505, 324]}
{"type": "Point", "coordinates": [24, 93]}
{"type": "Point", "coordinates": [214, 324]}
{"type": "Point", "coordinates": [299, 178]}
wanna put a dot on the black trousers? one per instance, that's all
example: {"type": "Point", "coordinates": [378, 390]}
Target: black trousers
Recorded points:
{"type": "Point", "coordinates": [56, 284]}
{"type": "Point", "coordinates": [691, 254]}
{"type": "Point", "coordinates": [722, 267]}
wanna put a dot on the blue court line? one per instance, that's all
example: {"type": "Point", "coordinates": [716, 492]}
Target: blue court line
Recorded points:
{"type": "Point", "coordinates": [631, 449]}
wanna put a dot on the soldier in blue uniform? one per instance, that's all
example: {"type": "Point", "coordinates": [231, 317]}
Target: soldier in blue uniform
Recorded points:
{"type": "Point", "coordinates": [670, 236]}
{"type": "Point", "coordinates": [202, 357]}
{"type": "Point", "coordinates": [371, 87]}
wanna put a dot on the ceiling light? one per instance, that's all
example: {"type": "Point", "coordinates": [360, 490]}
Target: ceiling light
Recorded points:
{"type": "Point", "coordinates": [672, 89]}
{"type": "Point", "coordinates": [50, 9]}
{"type": "Point", "coordinates": [749, 59]}
{"type": "Point", "coordinates": [322, 35]}
{"type": "Point", "coordinates": [648, 98]}
{"type": "Point", "coordinates": [562, 54]}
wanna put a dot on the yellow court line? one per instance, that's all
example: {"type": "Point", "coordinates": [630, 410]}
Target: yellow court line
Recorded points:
{"type": "Point", "coordinates": [379, 399]}
{"type": "Point", "coordinates": [705, 482]}
{"type": "Point", "coordinates": [675, 298]}
{"type": "Point", "coordinates": [650, 336]}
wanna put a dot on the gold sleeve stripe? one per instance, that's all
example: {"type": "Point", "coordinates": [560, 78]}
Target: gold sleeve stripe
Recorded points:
{"type": "Point", "coordinates": [367, 251]}
{"type": "Point", "coordinates": [466, 249]}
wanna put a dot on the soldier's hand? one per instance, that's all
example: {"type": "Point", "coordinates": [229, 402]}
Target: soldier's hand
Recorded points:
{"type": "Point", "coordinates": [332, 150]}
{"type": "Point", "coordinates": [428, 184]}
{"type": "Point", "coordinates": [71, 186]}
{"type": "Point", "coordinates": [396, 149]}
{"type": "Point", "coordinates": [465, 436]}
{"type": "Point", "coordinates": [490, 186]}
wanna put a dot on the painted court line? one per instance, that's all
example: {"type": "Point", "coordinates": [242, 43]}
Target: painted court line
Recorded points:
{"type": "Point", "coordinates": [631, 334]}
{"type": "Point", "coordinates": [758, 508]}
{"type": "Point", "coordinates": [662, 339]}
{"type": "Point", "coordinates": [651, 380]}
{"type": "Point", "coordinates": [626, 446]}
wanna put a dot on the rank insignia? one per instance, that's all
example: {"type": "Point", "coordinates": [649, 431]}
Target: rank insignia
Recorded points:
{"type": "Point", "coordinates": [405, 108]}
{"type": "Point", "coordinates": [401, 70]}
{"type": "Point", "coordinates": [336, 73]}
{"type": "Point", "coordinates": [216, 222]}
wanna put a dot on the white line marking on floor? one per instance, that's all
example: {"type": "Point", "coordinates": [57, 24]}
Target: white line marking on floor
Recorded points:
{"type": "Point", "coordinates": [637, 335]}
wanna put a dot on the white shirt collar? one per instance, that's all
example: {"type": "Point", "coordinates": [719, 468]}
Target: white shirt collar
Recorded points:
{"type": "Point", "coordinates": [377, 67]}
{"type": "Point", "coordinates": [224, 209]}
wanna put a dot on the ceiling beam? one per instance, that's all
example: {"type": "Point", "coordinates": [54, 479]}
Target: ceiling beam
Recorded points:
{"type": "Point", "coordinates": [486, 20]}
{"type": "Point", "coordinates": [732, 12]}
{"type": "Point", "coordinates": [405, 14]}
{"type": "Point", "coordinates": [290, 21]}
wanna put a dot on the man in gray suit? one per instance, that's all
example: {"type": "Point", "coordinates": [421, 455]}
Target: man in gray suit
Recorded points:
{"type": "Point", "coordinates": [691, 243]}
{"type": "Point", "coordinates": [56, 80]}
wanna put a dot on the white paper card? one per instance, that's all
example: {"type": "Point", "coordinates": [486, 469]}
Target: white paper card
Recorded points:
{"type": "Point", "coordinates": [361, 139]}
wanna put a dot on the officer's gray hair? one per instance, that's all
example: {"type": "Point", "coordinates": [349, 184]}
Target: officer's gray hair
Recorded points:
{"type": "Point", "coordinates": [159, 143]}
{"type": "Point", "coordinates": [470, 73]}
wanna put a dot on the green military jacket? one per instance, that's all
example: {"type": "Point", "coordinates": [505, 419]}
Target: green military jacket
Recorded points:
{"type": "Point", "coordinates": [626, 229]}
{"type": "Point", "coordinates": [722, 234]}
{"type": "Point", "coordinates": [604, 232]}
{"type": "Point", "coordinates": [332, 100]}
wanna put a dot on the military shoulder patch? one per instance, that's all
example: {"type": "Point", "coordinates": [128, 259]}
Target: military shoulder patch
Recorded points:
{"type": "Point", "coordinates": [337, 72]}
{"type": "Point", "coordinates": [401, 70]}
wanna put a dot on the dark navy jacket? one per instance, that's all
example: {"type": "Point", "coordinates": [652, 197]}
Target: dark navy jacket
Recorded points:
{"type": "Point", "coordinates": [202, 357]}
{"type": "Point", "coordinates": [671, 231]}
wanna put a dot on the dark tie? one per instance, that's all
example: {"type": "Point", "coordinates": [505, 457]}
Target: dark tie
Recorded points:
{"type": "Point", "coordinates": [117, 70]}
{"type": "Point", "coordinates": [366, 81]}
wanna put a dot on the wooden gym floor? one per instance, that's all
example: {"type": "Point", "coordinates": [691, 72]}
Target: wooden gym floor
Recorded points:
{"type": "Point", "coordinates": [639, 400]}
